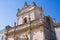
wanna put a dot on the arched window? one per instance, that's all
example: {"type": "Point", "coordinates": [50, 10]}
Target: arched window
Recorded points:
{"type": "Point", "coordinates": [25, 20]}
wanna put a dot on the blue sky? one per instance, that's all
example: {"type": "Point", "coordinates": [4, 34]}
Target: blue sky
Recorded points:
{"type": "Point", "coordinates": [8, 10]}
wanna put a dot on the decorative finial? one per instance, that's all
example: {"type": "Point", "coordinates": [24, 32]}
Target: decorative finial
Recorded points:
{"type": "Point", "coordinates": [7, 27]}
{"type": "Point", "coordinates": [18, 10]}
{"type": "Point", "coordinates": [33, 4]}
{"type": "Point", "coordinates": [25, 4]}
{"type": "Point", "coordinates": [14, 23]}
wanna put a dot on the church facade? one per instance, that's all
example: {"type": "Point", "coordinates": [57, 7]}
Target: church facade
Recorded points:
{"type": "Point", "coordinates": [31, 24]}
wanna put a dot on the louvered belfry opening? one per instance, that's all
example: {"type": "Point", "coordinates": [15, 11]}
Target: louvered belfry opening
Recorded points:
{"type": "Point", "coordinates": [25, 20]}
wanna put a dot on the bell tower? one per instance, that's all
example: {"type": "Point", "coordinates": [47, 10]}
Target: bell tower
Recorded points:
{"type": "Point", "coordinates": [38, 22]}
{"type": "Point", "coordinates": [33, 12]}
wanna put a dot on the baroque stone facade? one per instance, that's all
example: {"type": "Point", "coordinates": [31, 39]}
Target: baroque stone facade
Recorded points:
{"type": "Point", "coordinates": [31, 25]}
